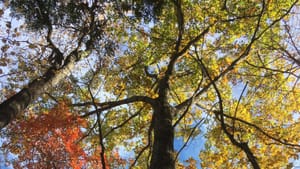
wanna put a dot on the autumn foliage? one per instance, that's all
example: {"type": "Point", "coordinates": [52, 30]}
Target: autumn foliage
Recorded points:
{"type": "Point", "coordinates": [49, 140]}
{"type": "Point", "coordinates": [226, 73]}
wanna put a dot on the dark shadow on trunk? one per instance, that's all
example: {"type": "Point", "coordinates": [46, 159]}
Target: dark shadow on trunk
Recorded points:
{"type": "Point", "coordinates": [163, 147]}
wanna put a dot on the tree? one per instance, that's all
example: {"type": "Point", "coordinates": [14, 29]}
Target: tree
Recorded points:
{"type": "Point", "coordinates": [48, 140]}
{"type": "Point", "coordinates": [229, 67]}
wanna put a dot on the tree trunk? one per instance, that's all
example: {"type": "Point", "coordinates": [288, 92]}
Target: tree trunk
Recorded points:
{"type": "Point", "coordinates": [163, 147]}
{"type": "Point", "coordinates": [13, 106]}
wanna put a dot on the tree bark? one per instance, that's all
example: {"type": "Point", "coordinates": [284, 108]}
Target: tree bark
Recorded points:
{"type": "Point", "coordinates": [163, 147]}
{"type": "Point", "coordinates": [13, 106]}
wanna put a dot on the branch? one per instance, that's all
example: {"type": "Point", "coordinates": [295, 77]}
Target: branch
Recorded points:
{"type": "Point", "coordinates": [149, 145]}
{"type": "Point", "coordinates": [183, 114]}
{"type": "Point", "coordinates": [108, 105]}
{"type": "Point", "coordinates": [56, 58]}
{"type": "Point", "coordinates": [246, 52]}
{"type": "Point", "coordinates": [289, 55]}
{"type": "Point", "coordinates": [243, 145]}
{"type": "Point", "coordinates": [124, 122]}
{"type": "Point", "coordinates": [180, 23]}
{"type": "Point", "coordinates": [139, 155]}
{"type": "Point", "coordinates": [164, 82]}
{"type": "Point", "coordinates": [293, 44]}
{"type": "Point", "coordinates": [13, 106]}
{"type": "Point", "coordinates": [237, 106]}
{"type": "Point", "coordinates": [190, 136]}
{"type": "Point", "coordinates": [288, 71]}
{"type": "Point", "coordinates": [100, 134]}
{"type": "Point", "coordinates": [16, 104]}
{"type": "Point", "coordinates": [261, 131]}
{"type": "Point", "coordinates": [154, 76]}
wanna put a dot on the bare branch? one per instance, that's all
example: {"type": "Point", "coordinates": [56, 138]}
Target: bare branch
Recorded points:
{"type": "Point", "coordinates": [108, 105]}
{"type": "Point", "coordinates": [237, 106]}
{"type": "Point", "coordinates": [189, 137]}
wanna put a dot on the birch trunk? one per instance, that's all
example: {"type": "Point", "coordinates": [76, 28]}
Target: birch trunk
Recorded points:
{"type": "Point", "coordinates": [16, 104]}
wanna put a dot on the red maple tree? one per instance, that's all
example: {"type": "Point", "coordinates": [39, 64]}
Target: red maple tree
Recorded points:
{"type": "Point", "coordinates": [48, 140]}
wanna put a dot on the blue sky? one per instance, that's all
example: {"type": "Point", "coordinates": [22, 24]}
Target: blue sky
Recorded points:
{"type": "Point", "coordinates": [192, 149]}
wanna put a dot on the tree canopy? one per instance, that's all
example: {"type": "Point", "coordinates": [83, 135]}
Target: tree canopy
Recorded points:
{"type": "Point", "coordinates": [84, 82]}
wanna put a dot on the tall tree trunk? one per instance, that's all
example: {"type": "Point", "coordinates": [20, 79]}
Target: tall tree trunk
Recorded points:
{"type": "Point", "coordinates": [13, 106]}
{"type": "Point", "coordinates": [163, 147]}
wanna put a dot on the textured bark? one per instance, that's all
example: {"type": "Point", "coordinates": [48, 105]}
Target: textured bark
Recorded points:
{"type": "Point", "coordinates": [13, 106]}
{"type": "Point", "coordinates": [163, 147]}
